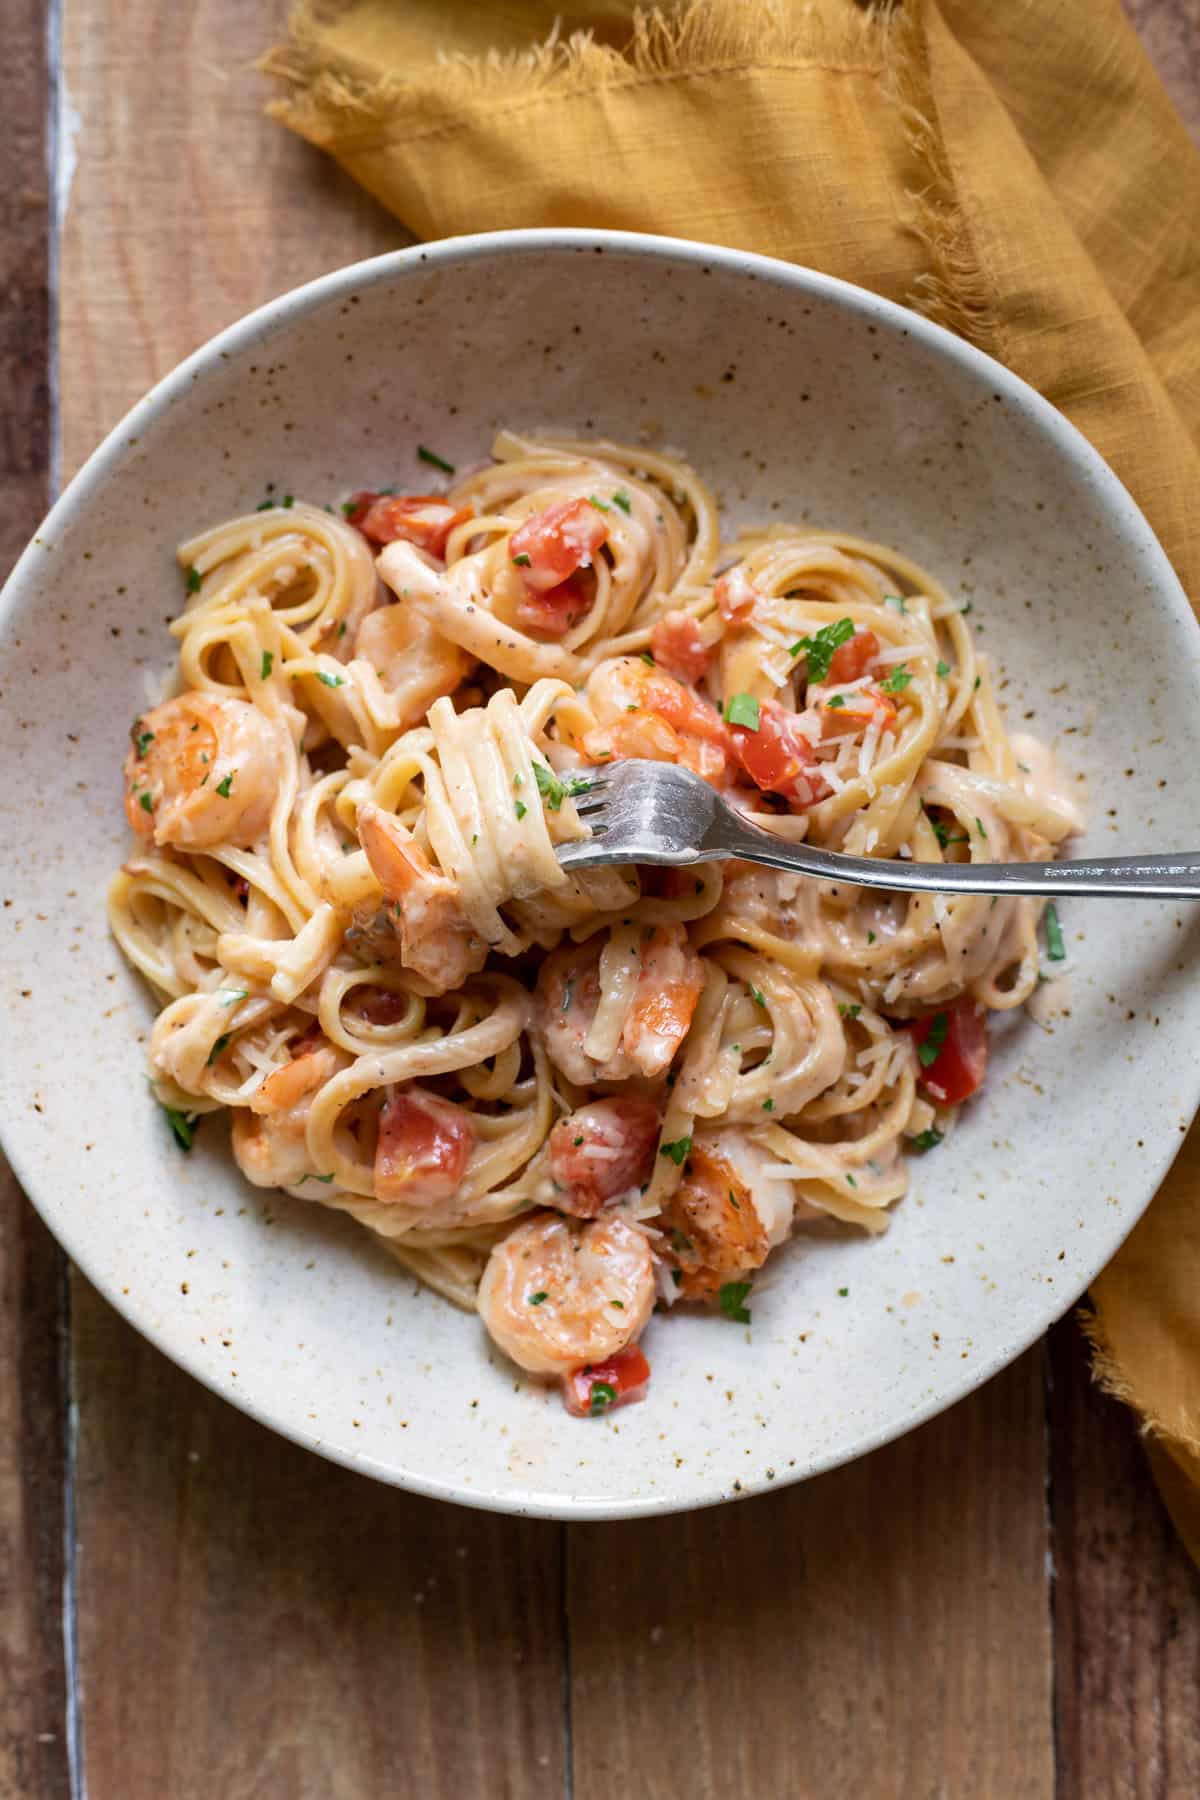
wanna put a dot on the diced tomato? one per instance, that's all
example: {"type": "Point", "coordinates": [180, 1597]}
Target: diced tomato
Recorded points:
{"type": "Point", "coordinates": [602, 1150]}
{"type": "Point", "coordinates": [425, 520]}
{"type": "Point", "coordinates": [598, 1387]}
{"type": "Point", "coordinates": [735, 595]}
{"type": "Point", "coordinates": [551, 545]}
{"type": "Point", "coordinates": [423, 1146]}
{"type": "Point", "coordinates": [553, 611]}
{"type": "Point", "coordinates": [779, 759]}
{"type": "Point", "coordinates": [961, 1062]}
{"type": "Point", "coordinates": [857, 712]}
{"type": "Point", "coordinates": [685, 709]}
{"type": "Point", "coordinates": [851, 659]}
{"type": "Point", "coordinates": [677, 643]}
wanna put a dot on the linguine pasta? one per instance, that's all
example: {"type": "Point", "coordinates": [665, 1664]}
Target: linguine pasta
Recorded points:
{"type": "Point", "coordinates": [569, 1099]}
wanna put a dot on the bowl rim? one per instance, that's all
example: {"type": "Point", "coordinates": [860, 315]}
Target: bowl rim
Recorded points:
{"type": "Point", "coordinates": [798, 281]}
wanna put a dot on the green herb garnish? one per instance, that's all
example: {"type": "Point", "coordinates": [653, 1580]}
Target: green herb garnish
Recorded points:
{"type": "Point", "coordinates": [1056, 950]}
{"type": "Point", "coordinates": [522, 560]}
{"type": "Point", "coordinates": [193, 581]}
{"type": "Point", "coordinates": [834, 701]}
{"type": "Point", "coordinates": [221, 1044]}
{"type": "Point", "coordinates": [925, 1140]}
{"type": "Point", "coordinates": [849, 1012]}
{"type": "Point", "coordinates": [757, 998]}
{"type": "Point", "coordinates": [621, 499]}
{"type": "Point", "coordinates": [266, 665]}
{"type": "Point", "coordinates": [183, 1125]}
{"type": "Point", "coordinates": [930, 1049]}
{"type": "Point", "coordinates": [602, 1397]}
{"type": "Point", "coordinates": [536, 1299]}
{"type": "Point", "coordinates": [147, 804]}
{"type": "Point", "coordinates": [897, 681]}
{"type": "Point", "coordinates": [943, 669]}
{"type": "Point", "coordinates": [743, 710]}
{"type": "Point", "coordinates": [820, 648]}
{"type": "Point", "coordinates": [334, 681]}
{"type": "Point", "coordinates": [733, 1296]}
{"type": "Point", "coordinates": [677, 1151]}
{"type": "Point", "coordinates": [434, 460]}
{"type": "Point", "coordinates": [226, 782]}
{"type": "Point", "coordinates": [600, 505]}
{"type": "Point", "coordinates": [522, 809]}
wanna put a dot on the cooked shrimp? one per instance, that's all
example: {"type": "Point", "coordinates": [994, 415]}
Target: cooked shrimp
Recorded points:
{"type": "Point", "coordinates": [423, 1147]}
{"type": "Point", "coordinates": [436, 938]}
{"type": "Point", "coordinates": [414, 662]}
{"type": "Point", "coordinates": [725, 1215]}
{"type": "Point", "coordinates": [664, 1000]}
{"type": "Point", "coordinates": [269, 1137]}
{"type": "Point", "coordinates": [642, 711]}
{"type": "Point", "coordinates": [642, 1005]}
{"type": "Point", "coordinates": [601, 1151]}
{"type": "Point", "coordinates": [556, 1295]}
{"type": "Point", "coordinates": [204, 769]}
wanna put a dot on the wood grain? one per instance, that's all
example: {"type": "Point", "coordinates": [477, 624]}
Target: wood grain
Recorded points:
{"type": "Point", "coordinates": [883, 1631]}
{"type": "Point", "coordinates": [33, 1747]}
{"type": "Point", "coordinates": [257, 1624]}
{"type": "Point", "coordinates": [1127, 1603]}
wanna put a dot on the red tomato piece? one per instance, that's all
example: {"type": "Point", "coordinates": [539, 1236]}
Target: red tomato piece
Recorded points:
{"type": "Point", "coordinates": [598, 1387]}
{"type": "Point", "coordinates": [684, 709]}
{"type": "Point", "coordinates": [779, 759]}
{"type": "Point", "coordinates": [961, 1061]}
{"type": "Point", "coordinates": [553, 611]}
{"type": "Point", "coordinates": [857, 712]}
{"type": "Point", "coordinates": [551, 545]}
{"type": "Point", "coordinates": [735, 596]}
{"type": "Point", "coordinates": [425, 520]}
{"type": "Point", "coordinates": [851, 659]}
{"type": "Point", "coordinates": [423, 1146]}
{"type": "Point", "coordinates": [603, 1150]}
{"type": "Point", "coordinates": [677, 643]}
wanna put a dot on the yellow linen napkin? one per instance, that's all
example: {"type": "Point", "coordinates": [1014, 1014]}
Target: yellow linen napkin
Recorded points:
{"type": "Point", "coordinates": [1015, 172]}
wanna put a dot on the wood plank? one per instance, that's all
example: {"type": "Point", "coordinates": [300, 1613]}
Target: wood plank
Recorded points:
{"type": "Point", "coordinates": [1126, 1603]}
{"type": "Point", "coordinates": [33, 1747]}
{"type": "Point", "coordinates": [883, 1631]}
{"type": "Point", "coordinates": [253, 1621]}
{"type": "Point", "coordinates": [257, 1624]}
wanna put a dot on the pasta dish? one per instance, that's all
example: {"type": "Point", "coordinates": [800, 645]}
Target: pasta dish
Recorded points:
{"type": "Point", "coordinates": [570, 1101]}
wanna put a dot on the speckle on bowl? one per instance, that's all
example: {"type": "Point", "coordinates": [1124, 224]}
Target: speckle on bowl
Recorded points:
{"type": "Point", "coordinates": [798, 397]}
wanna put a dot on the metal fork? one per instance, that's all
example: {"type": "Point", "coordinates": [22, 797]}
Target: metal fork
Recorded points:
{"type": "Point", "coordinates": [654, 812]}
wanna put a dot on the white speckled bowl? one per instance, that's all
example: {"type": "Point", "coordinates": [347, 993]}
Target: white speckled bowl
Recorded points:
{"type": "Point", "coordinates": [797, 396]}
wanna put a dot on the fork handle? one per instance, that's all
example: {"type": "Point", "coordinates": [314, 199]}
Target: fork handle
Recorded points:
{"type": "Point", "coordinates": [1174, 877]}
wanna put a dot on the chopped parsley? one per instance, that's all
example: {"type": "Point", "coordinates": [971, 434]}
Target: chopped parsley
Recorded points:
{"type": "Point", "coordinates": [522, 560]}
{"type": "Point", "coordinates": [768, 1106]}
{"type": "Point", "coordinates": [600, 505]}
{"type": "Point", "coordinates": [325, 1178]}
{"type": "Point", "coordinates": [1056, 950]}
{"type": "Point", "coordinates": [621, 499]}
{"type": "Point", "coordinates": [677, 1150]}
{"type": "Point", "coordinates": [978, 679]}
{"type": "Point", "coordinates": [522, 809]}
{"type": "Point", "coordinates": [146, 803]}
{"type": "Point", "coordinates": [979, 826]}
{"type": "Point", "coordinates": [183, 1125]}
{"type": "Point", "coordinates": [425, 455]}
{"type": "Point", "coordinates": [819, 649]}
{"type": "Point", "coordinates": [266, 665]}
{"type": "Point", "coordinates": [734, 1201]}
{"type": "Point", "coordinates": [842, 1293]}
{"type": "Point", "coordinates": [221, 1044]}
{"type": "Point", "coordinates": [225, 783]}
{"type": "Point", "coordinates": [930, 1049]}
{"type": "Point", "coordinates": [757, 998]}
{"type": "Point", "coordinates": [943, 670]}
{"type": "Point", "coordinates": [852, 1181]}
{"type": "Point", "coordinates": [648, 659]}
{"type": "Point", "coordinates": [348, 507]}
{"type": "Point", "coordinates": [577, 1141]}
{"type": "Point", "coordinates": [334, 681]}
{"type": "Point", "coordinates": [536, 1299]}
{"type": "Point", "coordinates": [849, 1012]}
{"type": "Point", "coordinates": [733, 1296]}
{"type": "Point", "coordinates": [897, 681]}
{"type": "Point", "coordinates": [288, 499]}
{"type": "Point", "coordinates": [265, 506]}
{"type": "Point", "coordinates": [193, 581]}
{"type": "Point", "coordinates": [870, 937]}
{"type": "Point", "coordinates": [943, 833]}
{"type": "Point", "coordinates": [619, 1304]}
{"type": "Point", "coordinates": [603, 1396]}
{"type": "Point", "coordinates": [835, 700]}
{"type": "Point", "coordinates": [925, 1140]}
{"type": "Point", "coordinates": [896, 602]}
{"type": "Point", "coordinates": [743, 710]}
{"type": "Point", "coordinates": [554, 791]}
{"type": "Point", "coordinates": [141, 738]}
{"type": "Point", "coordinates": [518, 778]}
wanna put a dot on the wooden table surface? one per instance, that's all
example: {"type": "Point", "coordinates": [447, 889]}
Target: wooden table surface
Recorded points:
{"type": "Point", "coordinates": [995, 1606]}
